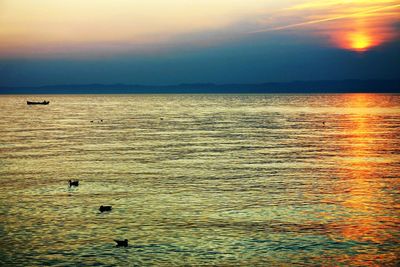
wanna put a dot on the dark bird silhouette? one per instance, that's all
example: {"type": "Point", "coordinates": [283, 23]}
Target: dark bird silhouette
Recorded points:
{"type": "Point", "coordinates": [73, 183]}
{"type": "Point", "coordinates": [105, 208]}
{"type": "Point", "coordinates": [122, 243]}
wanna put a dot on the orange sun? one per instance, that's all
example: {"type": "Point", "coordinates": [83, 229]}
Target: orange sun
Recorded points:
{"type": "Point", "coordinates": [360, 36]}
{"type": "Point", "coordinates": [363, 30]}
{"type": "Point", "coordinates": [359, 41]}
{"type": "Point", "coordinates": [356, 40]}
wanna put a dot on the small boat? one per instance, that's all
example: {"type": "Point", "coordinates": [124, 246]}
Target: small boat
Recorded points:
{"type": "Point", "coordinates": [37, 103]}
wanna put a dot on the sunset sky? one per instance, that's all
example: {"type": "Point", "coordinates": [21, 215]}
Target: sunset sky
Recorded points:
{"type": "Point", "coordinates": [224, 41]}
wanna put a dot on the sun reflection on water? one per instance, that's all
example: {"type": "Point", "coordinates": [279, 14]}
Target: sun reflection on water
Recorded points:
{"type": "Point", "coordinates": [366, 220]}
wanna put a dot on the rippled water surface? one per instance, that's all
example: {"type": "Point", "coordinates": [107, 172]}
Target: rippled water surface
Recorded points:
{"type": "Point", "coordinates": [200, 180]}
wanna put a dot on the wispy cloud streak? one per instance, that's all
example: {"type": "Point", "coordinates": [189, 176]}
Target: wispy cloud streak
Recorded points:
{"type": "Point", "coordinates": [374, 10]}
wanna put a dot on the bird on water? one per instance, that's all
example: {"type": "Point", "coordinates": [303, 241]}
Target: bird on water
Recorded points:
{"type": "Point", "coordinates": [73, 182]}
{"type": "Point", "coordinates": [105, 208]}
{"type": "Point", "coordinates": [121, 243]}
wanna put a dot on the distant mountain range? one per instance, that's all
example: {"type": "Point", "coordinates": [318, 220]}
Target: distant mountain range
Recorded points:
{"type": "Point", "coordinates": [342, 86]}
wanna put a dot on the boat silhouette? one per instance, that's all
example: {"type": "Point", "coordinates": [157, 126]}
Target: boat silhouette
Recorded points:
{"type": "Point", "coordinates": [37, 103]}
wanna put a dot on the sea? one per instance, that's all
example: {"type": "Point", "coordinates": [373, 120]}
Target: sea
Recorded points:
{"type": "Point", "coordinates": [200, 180]}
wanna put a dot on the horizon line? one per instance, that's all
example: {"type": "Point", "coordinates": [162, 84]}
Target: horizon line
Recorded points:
{"type": "Point", "coordinates": [199, 83]}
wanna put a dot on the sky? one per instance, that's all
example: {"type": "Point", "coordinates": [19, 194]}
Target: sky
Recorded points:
{"type": "Point", "coordinates": [46, 42]}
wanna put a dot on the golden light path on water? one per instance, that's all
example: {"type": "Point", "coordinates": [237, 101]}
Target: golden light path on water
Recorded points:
{"type": "Point", "coordinates": [200, 179]}
{"type": "Point", "coordinates": [367, 137]}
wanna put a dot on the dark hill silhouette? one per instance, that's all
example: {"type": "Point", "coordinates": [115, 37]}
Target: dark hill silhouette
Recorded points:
{"type": "Point", "coordinates": [340, 86]}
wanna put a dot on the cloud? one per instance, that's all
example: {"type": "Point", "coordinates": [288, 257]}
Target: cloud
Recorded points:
{"type": "Point", "coordinates": [341, 3]}
{"type": "Point", "coordinates": [75, 28]}
{"type": "Point", "coordinates": [51, 27]}
{"type": "Point", "coordinates": [339, 17]}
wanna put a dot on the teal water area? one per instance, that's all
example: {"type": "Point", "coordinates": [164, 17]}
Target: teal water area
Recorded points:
{"type": "Point", "coordinates": [222, 180]}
